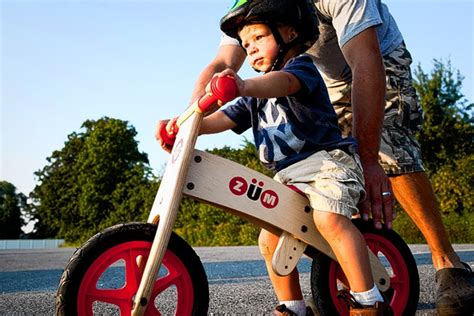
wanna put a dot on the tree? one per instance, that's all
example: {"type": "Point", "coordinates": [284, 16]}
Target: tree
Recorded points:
{"type": "Point", "coordinates": [448, 151]}
{"type": "Point", "coordinates": [447, 137]}
{"type": "Point", "coordinates": [99, 178]}
{"type": "Point", "coordinates": [12, 204]}
{"type": "Point", "coordinates": [448, 129]}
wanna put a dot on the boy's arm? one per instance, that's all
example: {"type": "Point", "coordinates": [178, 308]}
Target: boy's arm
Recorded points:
{"type": "Point", "coordinates": [215, 123]}
{"type": "Point", "coordinates": [271, 85]}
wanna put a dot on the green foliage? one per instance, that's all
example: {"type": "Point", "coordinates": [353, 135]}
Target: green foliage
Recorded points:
{"type": "Point", "coordinates": [204, 225]}
{"type": "Point", "coordinates": [448, 130]}
{"type": "Point", "coordinates": [447, 137]}
{"type": "Point", "coordinates": [448, 152]}
{"type": "Point", "coordinates": [460, 228]}
{"type": "Point", "coordinates": [453, 183]}
{"type": "Point", "coordinates": [11, 206]}
{"type": "Point", "coordinates": [404, 226]}
{"type": "Point", "coordinates": [247, 156]}
{"type": "Point", "coordinates": [99, 178]}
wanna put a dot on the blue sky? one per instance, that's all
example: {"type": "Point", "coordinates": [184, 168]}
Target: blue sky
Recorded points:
{"type": "Point", "coordinates": [63, 62]}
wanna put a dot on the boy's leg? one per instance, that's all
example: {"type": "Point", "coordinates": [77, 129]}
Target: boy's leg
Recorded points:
{"type": "Point", "coordinates": [333, 182]}
{"type": "Point", "coordinates": [349, 247]}
{"type": "Point", "coordinates": [351, 252]}
{"type": "Point", "coordinates": [287, 288]}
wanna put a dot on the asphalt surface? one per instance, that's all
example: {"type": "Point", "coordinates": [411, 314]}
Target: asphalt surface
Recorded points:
{"type": "Point", "coordinates": [238, 283]}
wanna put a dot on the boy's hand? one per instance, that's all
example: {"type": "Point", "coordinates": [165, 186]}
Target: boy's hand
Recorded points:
{"type": "Point", "coordinates": [232, 74]}
{"type": "Point", "coordinates": [165, 133]}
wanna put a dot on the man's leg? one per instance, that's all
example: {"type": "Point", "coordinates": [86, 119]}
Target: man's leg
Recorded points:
{"type": "Point", "coordinates": [454, 283]}
{"type": "Point", "coordinates": [400, 156]}
{"type": "Point", "coordinates": [415, 194]}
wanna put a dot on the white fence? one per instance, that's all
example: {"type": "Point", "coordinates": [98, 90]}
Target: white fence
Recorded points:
{"type": "Point", "coordinates": [30, 243]}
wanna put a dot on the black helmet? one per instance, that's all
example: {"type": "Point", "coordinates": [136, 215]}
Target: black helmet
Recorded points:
{"type": "Point", "coordinates": [300, 14]}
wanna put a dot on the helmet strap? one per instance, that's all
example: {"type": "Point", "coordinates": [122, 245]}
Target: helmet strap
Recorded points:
{"type": "Point", "coordinates": [284, 47]}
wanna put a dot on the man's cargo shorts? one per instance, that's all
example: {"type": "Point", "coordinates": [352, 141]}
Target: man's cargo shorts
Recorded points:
{"type": "Point", "coordinates": [399, 150]}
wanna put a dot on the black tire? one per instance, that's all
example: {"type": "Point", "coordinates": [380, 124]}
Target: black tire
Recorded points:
{"type": "Point", "coordinates": [395, 251]}
{"type": "Point", "coordinates": [120, 237]}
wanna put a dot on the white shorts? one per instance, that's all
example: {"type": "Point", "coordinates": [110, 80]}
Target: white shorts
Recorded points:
{"type": "Point", "coordinates": [333, 181]}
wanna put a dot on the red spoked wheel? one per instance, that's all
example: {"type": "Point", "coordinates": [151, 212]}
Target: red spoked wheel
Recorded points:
{"type": "Point", "coordinates": [103, 276]}
{"type": "Point", "coordinates": [327, 277]}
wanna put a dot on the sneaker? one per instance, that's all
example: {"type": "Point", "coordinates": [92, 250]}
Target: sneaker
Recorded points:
{"type": "Point", "coordinates": [455, 291]}
{"type": "Point", "coordinates": [357, 309]}
{"type": "Point", "coordinates": [282, 310]}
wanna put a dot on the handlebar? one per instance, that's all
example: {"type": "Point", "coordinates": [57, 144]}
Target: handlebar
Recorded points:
{"type": "Point", "coordinates": [223, 89]}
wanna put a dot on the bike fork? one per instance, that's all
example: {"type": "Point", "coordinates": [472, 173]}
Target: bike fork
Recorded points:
{"type": "Point", "coordinates": [167, 202]}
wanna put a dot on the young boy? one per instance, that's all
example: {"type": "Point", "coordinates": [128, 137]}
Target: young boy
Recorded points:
{"type": "Point", "coordinates": [296, 133]}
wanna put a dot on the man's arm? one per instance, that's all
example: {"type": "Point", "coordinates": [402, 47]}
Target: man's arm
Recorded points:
{"type": "Point", "coordinates": [363, 55]}
{"type": "Point", "coordinates": [228, 56]}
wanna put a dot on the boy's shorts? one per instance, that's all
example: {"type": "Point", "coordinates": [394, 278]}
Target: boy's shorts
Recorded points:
{"type": "Point", "coordinates": [333, 181]}
{"type": "Point", "coordinates": [399, 150]}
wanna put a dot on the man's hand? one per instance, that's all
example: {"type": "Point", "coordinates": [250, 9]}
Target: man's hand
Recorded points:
{"type": "Point", "coordinates": [165, 133]}
{"type": "Point", "coordinates": [379, 198]}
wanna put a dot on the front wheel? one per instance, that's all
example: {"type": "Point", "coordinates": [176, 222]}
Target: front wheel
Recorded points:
{"type": "Point", "coordinates": [102, 277]}
{"type": "Point", "coordinates": [327, 276]}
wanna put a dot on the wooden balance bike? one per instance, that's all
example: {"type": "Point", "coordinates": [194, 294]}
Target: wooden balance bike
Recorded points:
{"type": "Point", "coordinates": [145, 268]}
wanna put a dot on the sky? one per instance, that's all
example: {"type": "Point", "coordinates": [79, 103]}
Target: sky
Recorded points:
{"type": "Point", "coordinates": [64, 62]}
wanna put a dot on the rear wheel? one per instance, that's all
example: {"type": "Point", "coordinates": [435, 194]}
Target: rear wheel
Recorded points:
{"type": "Point", "coordinates": [103, 276]}
{"type": "Point", "coordinates": [327, 277]}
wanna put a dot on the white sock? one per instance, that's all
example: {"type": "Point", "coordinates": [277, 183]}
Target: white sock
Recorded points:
{"type": "Point", "coordinates": [298, 307]}
{"type": "Point", "coordinates": [369, 297]}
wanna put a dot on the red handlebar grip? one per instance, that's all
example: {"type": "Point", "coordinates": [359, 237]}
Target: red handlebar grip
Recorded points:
{"type": "Point", "coordinates": [223, 89]}
{"type": "Point", "coordinates": [168, 139]}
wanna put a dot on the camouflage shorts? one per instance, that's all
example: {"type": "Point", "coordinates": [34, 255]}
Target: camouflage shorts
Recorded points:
{"type": "Point", "coordinates": [399, 150]}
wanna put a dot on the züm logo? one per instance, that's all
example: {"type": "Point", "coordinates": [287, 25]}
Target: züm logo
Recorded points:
{"type": "Point", "coordinates": [254, 191]}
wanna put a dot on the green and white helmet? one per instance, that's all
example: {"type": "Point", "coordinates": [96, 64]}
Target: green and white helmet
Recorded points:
{"type": "Point", "coordinates": [300, 14]}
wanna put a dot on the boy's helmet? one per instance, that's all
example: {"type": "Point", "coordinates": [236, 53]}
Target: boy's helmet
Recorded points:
{"type": "Point", "coordinates": [301, 14]}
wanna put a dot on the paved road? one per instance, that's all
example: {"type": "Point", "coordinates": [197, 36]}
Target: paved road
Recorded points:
{"type": "Point", "coordinates": [237, 279]}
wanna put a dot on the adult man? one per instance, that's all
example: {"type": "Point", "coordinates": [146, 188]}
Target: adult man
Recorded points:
{"type": "Point", "coordinates": [366, 67]}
